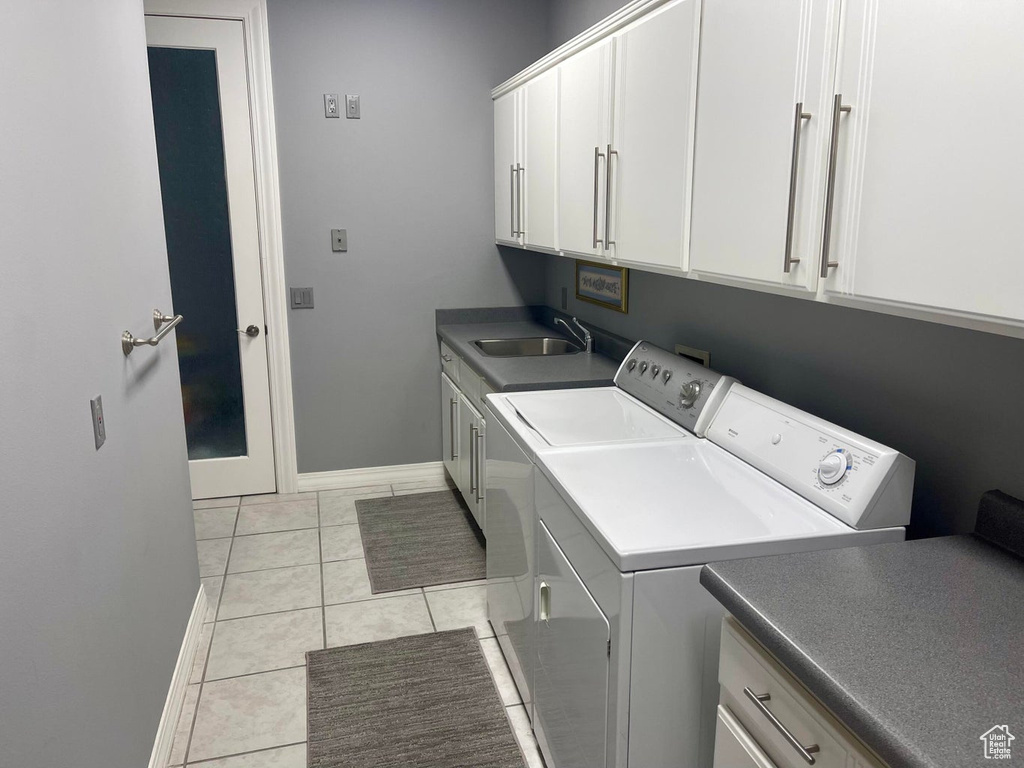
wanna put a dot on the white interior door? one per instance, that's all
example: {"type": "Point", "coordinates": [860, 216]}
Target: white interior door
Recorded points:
{"type": "Point", "coordinates": [199, 85]}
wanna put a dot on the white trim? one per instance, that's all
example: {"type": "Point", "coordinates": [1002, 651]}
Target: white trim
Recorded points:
{"type": "Point", "coordinates": [161, 754]}
{"type": "Point", "coordinates": [253, 15]}
{"type": "Point", "coordinates": [354, 478]}
{"type": "Point", "coordinates": [608, 25]}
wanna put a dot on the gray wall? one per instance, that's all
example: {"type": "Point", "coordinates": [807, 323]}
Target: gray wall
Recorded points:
{"type": "Point", "coordinates": [947, 397]}
{"type": "Point", "coordinates": [98, 568]}
{"type": "Point", "coordinates": [412, 182]}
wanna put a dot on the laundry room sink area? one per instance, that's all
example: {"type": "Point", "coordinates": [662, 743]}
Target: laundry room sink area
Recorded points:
{"type": "Point", "coordinates": [526, 347]}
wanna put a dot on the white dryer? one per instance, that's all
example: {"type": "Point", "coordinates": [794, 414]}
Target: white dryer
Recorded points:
{"type": "Point", "coordinates": [620, 658]}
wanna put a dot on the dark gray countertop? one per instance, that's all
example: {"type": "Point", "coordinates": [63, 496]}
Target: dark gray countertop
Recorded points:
{"type": "Point", "coordinates": [508, 374]}
{"type": "Point", "coordinates": [918, 646]}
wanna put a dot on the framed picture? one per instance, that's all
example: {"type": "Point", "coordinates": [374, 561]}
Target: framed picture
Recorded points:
{"type": "Point", "coordinates": [603, 285]}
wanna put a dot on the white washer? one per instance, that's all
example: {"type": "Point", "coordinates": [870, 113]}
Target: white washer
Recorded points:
{"type": "Point", "coordinates": [619, 661]}
{"type": "Point", "coordinates": [649, 384]}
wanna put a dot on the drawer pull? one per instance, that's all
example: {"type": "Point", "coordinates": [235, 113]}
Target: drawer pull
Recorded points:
{"type": "Point", "coordinates": [758, 701]}
{"type": "Point", "coordinates": [446, 358]}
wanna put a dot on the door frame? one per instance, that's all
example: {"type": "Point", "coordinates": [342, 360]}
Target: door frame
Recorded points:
{"type": "Point", "coordinates": [253, 15]}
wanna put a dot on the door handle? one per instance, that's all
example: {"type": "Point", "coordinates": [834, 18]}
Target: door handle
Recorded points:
{"type": "Point", "coordinates": [758, 700]}
{"type": "Point", "coordinates": [479, 464]}
{"type": "Point", "coordinates": [472, 459]}
{"type": "Point", "coordinates": [838, 109]}
{"type": "Point", "coordinates": [251, 331]}
{"type": "Point", "coordinates": [519, 200]}
{"type": "Point", "coordinates": [452, 402]}
{"type": "Point", "coordinates": [597, 168]}
{"type": "Point", "coordinates": [544, 603]}
{"type": "Point", "coordinates": [794, 165]}
{"type": "Point", "coordinates": [512, 200]}
{"type": "Point", "coordinates": [608, 242]}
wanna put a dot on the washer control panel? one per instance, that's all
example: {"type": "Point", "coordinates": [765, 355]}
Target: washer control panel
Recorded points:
{"type": "Point", "coordinates": [863, 483]}
{"type": "Point", "coordinates": [674, 386]}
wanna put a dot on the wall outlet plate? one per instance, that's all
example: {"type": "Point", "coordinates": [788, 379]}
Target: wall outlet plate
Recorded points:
{"type": "Point", "coordinates": [302, 298]}
{"type": "Point", "coordinates": [339, 240]}
{"type": "Point", "coordinates": [332, 107]}
{"type": "Point", "coordinates": [99, 428]}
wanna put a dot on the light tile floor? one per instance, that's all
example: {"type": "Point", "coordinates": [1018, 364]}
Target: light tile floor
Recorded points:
{"type": "Point", "coordinates": [284, 574]}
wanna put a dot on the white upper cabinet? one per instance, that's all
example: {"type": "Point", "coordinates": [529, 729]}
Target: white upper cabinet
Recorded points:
{"type": "Point", "coordinates": [584, 132]}
{"type": "Point", "coordinates": [648, 164]}
{"type": "Point", "coordinates": [929, 199]}
{"type": "Point", "coordinates": [506, 175]}
{"type": "Point", "coordinates": [540, 158]}
{"type": "Point", "coordinates": [763, 117]}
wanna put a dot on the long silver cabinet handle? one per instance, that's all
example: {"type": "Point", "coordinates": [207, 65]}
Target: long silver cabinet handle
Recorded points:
{"type": "Point", "coordinates": [479, 464]}
{"type": "Point", "coordinates": [452, 402]}
{"type": "Point", "coordinates": [597, 168]}
{"type": "Point", "coordinates": [512, 199]}
{"type": "Point", "coordinates": [838, 108]}
{"type": "Point", "coordinates": [544, 601]}
{"type": "Point", "coordinates": [519, 200]}
{"type": "Point", "coordinates": [798, 122]}
{"type": "Point", "coordinates": [129, 342]}
{"type": "Point", "coordinates": [472, 459]}
{"type": "Point", "coordinates": [758, 700]}
{"type": "Point", "coordinates": [608, 242]}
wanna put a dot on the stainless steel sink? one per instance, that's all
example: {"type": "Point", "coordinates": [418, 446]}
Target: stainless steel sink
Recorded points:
{"type": "Point", "coordinates": [528, 347]}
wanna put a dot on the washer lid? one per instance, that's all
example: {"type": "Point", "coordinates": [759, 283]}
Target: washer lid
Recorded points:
{"type": "Point", "coordinates": [565, 417]}
{"type": "Point", "coordinates": [672, 503]}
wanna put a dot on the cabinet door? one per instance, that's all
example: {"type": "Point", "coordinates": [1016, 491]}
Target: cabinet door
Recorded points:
{"type": "Point", "coordinates": [584, 128]}
{"type": "Point", "coordinates": [928, 200]}
{"type": "Point", "coordinates": [540, 134]}
{"type": "Point", "coordinates": [511, 518]}
{"type": "Point", "coordinates": [649, 169]}
{"type": "Point", "coordinates": [571, 676]}
{"type": "Point", "coordinates": [450, 428]}
{"type": "Point", "coordinates": [758, 178]}
{"type": "Point", "coordinates": [478, 507]}
{"type": "Point", "coordinates": [505, 178]}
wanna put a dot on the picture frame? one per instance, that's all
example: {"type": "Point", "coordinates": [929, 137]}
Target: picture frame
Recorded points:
{"type": "Point", "coordinates": [603, 285]}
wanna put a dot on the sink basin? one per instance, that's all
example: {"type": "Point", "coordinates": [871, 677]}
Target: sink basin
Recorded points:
{"type": "Point", "coordinates": [530, 347]}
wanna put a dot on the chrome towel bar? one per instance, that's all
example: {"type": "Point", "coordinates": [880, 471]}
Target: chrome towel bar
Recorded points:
{"type": "Point", "coordinates": [129, 342]}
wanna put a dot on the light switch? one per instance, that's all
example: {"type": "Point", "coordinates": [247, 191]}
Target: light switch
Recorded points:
{"type": "Point", "coordinates": [339, 240]}
{"type": "Point", "coordinates": [351, 107]}
{"type": "Point", "coordinates": [99, 429]}
{"type": "Point", "coordinates": [302, 298]}
{"type": "Point", "coordinates": [331, 107]}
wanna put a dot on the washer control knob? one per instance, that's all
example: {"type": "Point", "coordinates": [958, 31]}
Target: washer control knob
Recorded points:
{"type": "Point", "coordinates": [832, 468]}
{"type": "Point", "coordinates": [689, 393]}
{"type": "Point", "coordinates": [654, 370]}
{"type": "Point", "coordinates": [666, 376]}
{"type": "Point", "coordinates": [643, 367]}
{"type": "Point", "coordinates": [631, 364]}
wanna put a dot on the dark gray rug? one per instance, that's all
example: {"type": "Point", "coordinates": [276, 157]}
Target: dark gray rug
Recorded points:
{"type": "Point", "coordinates": [419, 540]}
{"type": "Point", "coordinates": [426, 701]}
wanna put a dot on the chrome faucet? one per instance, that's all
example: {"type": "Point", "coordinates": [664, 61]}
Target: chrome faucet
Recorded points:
{"type": "Point", "coordinates": [586, 338]}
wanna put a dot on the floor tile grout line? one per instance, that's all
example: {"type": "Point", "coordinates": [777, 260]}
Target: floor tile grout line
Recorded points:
{"type": "Point", "coordinates": [253, 674]}
{"type": "Point", "coordinates": [430, 613]}
{"type": "Point", "coordinates": [320, 552]}
{"type": "Point", "coordinates": [240, 754]}
{"type": "Point", "coordinates": [269, 613]}
{"type": "Point", "coordinates": [274, 567]}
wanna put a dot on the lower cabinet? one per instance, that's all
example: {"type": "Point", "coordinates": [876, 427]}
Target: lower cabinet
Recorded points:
{"type": "Point", "coordinates": [450, 428]}
{"type": "Point", "coordinates": [470, 458]}
{"type": "Point", "coordinates": [572, 663]}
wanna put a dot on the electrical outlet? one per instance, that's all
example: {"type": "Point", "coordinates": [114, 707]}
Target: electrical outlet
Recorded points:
{"type": "Point", "coordinates": [99, 429]}
{"type": "Point", "coordinates": [351, 107]}
{"type": "Point", "coordinates": [339, 240]}
{"type": "Point", "coordinates": [302, 298]}
{"type": "Point", "coordinates": [331, 106]}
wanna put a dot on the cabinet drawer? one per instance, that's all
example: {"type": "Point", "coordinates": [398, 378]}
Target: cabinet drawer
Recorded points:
{"type": "Point", "coordinates": [745, 664]}
{"type": "Point", "coordinates": [744, 667]}
{"type": "Point", "coordinates": [449, 362]}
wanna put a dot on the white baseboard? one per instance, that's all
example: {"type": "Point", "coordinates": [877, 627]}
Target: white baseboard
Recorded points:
{"type": "Point", "coordinates": [161, 754]}
{"type": "Point", "coordinates": [353, 478]}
